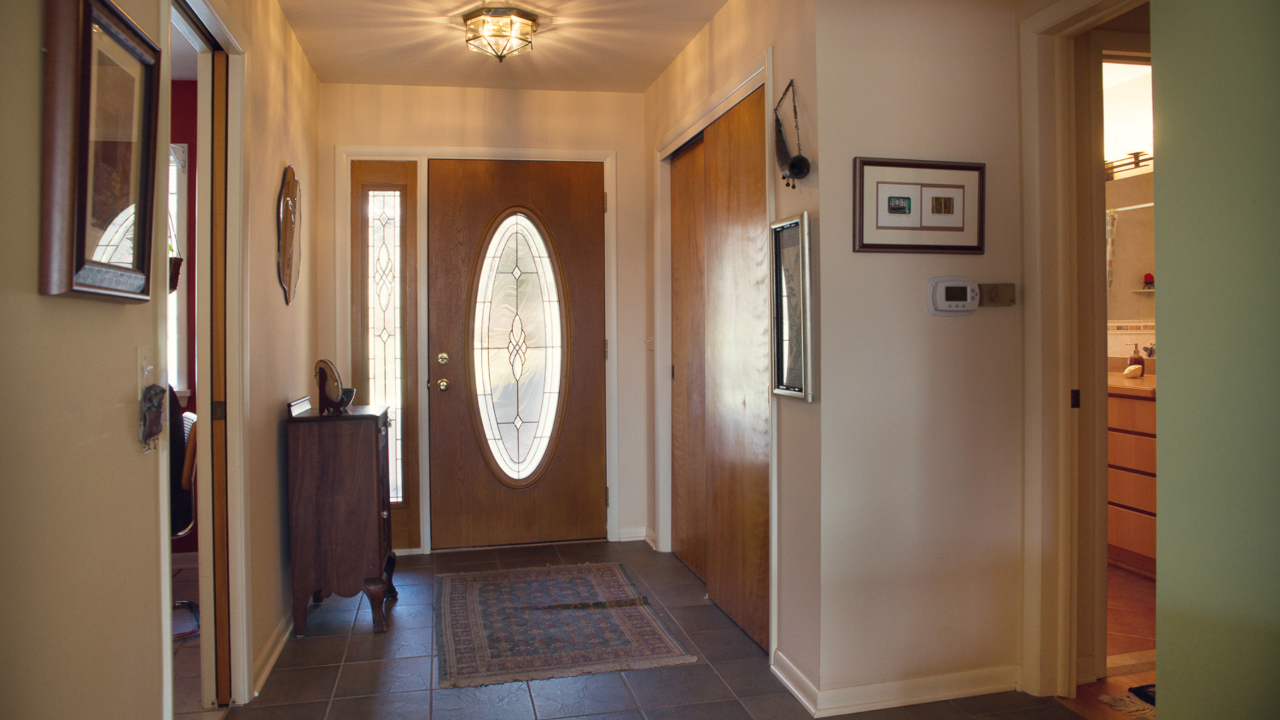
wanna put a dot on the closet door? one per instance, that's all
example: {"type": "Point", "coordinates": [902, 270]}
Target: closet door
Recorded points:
{"type": "Point", "coordinates": [688, 387]}
{"type": "Point", "coordinates": [737, 365]}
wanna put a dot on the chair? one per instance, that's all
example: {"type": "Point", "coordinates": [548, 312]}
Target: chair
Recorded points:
{"type": "Point", "coordinates": [182, 501]}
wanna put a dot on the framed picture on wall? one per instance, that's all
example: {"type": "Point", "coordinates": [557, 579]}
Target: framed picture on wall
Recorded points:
{"type": "Point", "coordinates": [918, 206]}
{"type": "Point", "coordinates": [792, 346]}
{"type": "Point", "coordinates": [101, 96]}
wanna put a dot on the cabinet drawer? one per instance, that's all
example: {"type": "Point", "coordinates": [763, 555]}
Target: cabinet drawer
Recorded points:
{"type": "Point", "coordinates": [1131, 530]}
{"type": "Point", "coordinates": [1131, 489]}
{"type": "Point", "coordinates": [1132, 415]}
{"type": "Point", "coordinates": [1132, 452]}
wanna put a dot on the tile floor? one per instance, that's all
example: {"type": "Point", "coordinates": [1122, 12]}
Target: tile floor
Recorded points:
{"type": "Point", "coordinates": [1131, 612]}
{"type": "Point", "coordinates": [343, 671]}
{"type": "Point", "coordinates": [1086, 701]}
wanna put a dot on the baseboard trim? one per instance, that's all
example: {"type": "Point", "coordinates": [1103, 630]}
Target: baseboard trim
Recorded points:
{"type": "Point", "coordinates": [1130, 663]}
{"type": "Point", "coordinates": [878, 696]}
{"type": "Point", "coordinates": [651, 538]}
{"type": "Point", "coordinates": [632, 533]}
{"type": "Point", "coordinates": [265, 663]}
{"type": "Point", "coordinates": [184, 560]}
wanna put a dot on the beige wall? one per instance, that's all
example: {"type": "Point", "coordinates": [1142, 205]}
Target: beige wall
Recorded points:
{"type": "Point", "coordinates": [280, 128]}
{"type": "Point", "coordinates": [921, 415]}
{"type": "Point", "coordinates": [81, 525]}
{"type": "Point", "coordinates": [399, 116]}
{"type": "Point", "coordinates": [1134, 248]}
{"type": "Point", "coordinates": [735, 37]}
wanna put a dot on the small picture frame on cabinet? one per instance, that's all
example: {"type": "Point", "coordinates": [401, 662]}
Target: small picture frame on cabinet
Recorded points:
{"type": "Point", "coordinates": [101, 95]}
{"type": "Point", "coordinates": [792, 340]}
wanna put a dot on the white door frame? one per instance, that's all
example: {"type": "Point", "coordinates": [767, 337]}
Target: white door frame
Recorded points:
{"type": "Point", "coordinates": [756, 74]}
{"type": "Point", "coordinates": [343, 155]}
{"type": "Point", "coordinates": [1050, 509]}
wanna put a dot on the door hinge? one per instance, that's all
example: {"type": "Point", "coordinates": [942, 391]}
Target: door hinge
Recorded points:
{"type": "Point", "coordinates": [606, 496]}
{"type": "Point", "coordinates": [606, 202]}
{"type": "Point", "coordinates": [606, 348]}
{"type": "Point", "coordinates": [218, 410]}
{"type": "Point", "coordinates": [1075, 398]}
{"type": "Point", "coordinates": [673, 372]}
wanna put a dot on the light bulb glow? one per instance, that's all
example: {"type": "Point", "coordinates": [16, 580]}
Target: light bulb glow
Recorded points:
{"type": "Point", "coordinates": [500, 32]}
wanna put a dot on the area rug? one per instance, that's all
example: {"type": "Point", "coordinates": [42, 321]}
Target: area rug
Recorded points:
{"type": "Point", "coordinates": [1130, 705]}
{"type": "Point", "coordinates": [501, 626]}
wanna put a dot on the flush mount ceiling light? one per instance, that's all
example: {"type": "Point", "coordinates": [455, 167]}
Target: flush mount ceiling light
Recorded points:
{"type": "Point", "coordinates": [500, 31]}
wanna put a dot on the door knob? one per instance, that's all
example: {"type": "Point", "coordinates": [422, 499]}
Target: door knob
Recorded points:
{"type": "Point", "coordinates": [443, 385]}
{"type": "Point", "coordinates": [443, 358]}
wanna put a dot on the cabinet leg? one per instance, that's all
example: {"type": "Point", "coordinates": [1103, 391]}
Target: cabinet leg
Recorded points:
{"type": "Point", "coordinates": [299, 613]}
{"type": "Point", "coordinates": [392, 593]}
{"type": "Point", "coordinates": [375, 589]}
{"type": "Point", "coordinates": [317, 597]}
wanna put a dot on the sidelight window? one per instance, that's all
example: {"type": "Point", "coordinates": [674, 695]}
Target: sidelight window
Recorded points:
{"type": "Point", "coordinates": [517, 347]}
{"type": "Point", "coordinates": [383, 307]}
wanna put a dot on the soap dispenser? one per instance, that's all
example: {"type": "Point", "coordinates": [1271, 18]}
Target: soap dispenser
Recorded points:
{"type": "Point", "coordinates": [1135, 360]}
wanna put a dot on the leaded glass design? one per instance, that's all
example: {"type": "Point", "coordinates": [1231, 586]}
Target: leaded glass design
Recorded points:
{"type": "Point", "coordinates": [383, 307]}
{"type": "Point", "coordinates": [517, 349]}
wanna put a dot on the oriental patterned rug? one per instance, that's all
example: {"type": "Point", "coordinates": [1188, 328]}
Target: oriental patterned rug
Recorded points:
{"type": "Point", "coordinates": [536, 623]}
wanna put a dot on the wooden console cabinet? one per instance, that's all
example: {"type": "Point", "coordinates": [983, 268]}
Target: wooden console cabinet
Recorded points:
{"type": "Point", "coordinates": [340, 509]}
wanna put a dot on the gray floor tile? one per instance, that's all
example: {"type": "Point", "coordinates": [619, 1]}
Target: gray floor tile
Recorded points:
{"type": "Point", "coordinates": [410, 595]}
{"type": "Point", "coordinates": [306, 711]}
{"type": "Point", "coordinates": [728, 710]}
{"type": "Point", "coordinates": [776, 707]}
{"type": "Point", "coordinates": [749, 677]}
{"type": "Point", "coordinates": [509, 701]}
{"type": "Point", "coordinates": [679, 685]}
{"type": "Point", "coordinates": [312, 651]}
{"type": "Point", "coordinates": [697, 618]}
{"type": "Point", "coordinates": [186, 694]}
{"type": "Point", "coordinates": [297, 685]}
{"type": "Point", "coordinates": [396, 642]}
{"type": "Point", "coordinates": [384, 676]}
{"type": "Point", "coordinates": [674, 596]}
{"type": "Point", "coordinates": [657, 576]}
{"type": "Point", "coordinates": [451, 559]}
{"type": "Point", "coordinates": [425, 575]}
{"type": "Point", "coordinates": [1049, 711]}
{"type": "Point", "coordinates": [322, 624]}
{"type": "Point", "coordinates": [186, 662]}
{"type": "Point", "coordinates": [581, 695]}
{"type": "Point", "coordinates": [534, 552]}
{"type": "Point", "coordinates": [400, 706]}
{"type": "Point", "coordinates": [405, 617]}
{"type": "Point", "coordinates": [415, 560]}
{"type": "Point", "coordinates": [335, 602]}
{"type": "Point", "coordinates": [980, 705]}
{"type": "Point", "coordinates": [726, 645]}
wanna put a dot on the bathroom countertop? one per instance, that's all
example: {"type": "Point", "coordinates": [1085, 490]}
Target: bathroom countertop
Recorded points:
{"type": "Point", "coordinates": [1143, 387]}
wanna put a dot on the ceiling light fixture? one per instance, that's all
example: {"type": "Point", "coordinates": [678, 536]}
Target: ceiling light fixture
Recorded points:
{"type": "Point", "coordinates": [500, 31]}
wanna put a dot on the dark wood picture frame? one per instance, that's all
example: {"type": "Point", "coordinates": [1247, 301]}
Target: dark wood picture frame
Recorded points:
{"type": "Point", "coordinates": [862, 214]}
{"type": "Point", "coordinates": [69, 158]}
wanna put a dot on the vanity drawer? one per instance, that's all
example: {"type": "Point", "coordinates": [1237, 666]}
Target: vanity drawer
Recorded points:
{"type": "Point", "coordinates": [1131, 452]}
{"type": "Point", "coordinates": [1131, 530]}
{"type": "Point", "coordinates": [1132, 415]}
{"type": "Point", "coordinates": [1132, 490]}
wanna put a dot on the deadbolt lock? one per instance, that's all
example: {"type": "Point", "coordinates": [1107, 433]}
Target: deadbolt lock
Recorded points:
{"type": "Point", "coordinates": [443, 385]}
{"type": "Point", "coordinates": [443, 358]}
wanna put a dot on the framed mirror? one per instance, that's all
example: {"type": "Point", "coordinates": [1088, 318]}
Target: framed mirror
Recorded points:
{"type": "Point", "coordinates": [288, 234]}
{"type": "Point", "coordinates": [792, 346]}
{"type": "Point", "coordinates": [101, 92]}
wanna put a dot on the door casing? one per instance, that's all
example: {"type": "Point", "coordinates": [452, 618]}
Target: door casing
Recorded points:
{"type": "Point", "coordinates": [343, 156]}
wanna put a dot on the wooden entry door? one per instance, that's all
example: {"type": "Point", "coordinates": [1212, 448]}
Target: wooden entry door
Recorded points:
{"type": "Point", "coordinates": [517, 352]}
{"type": "Point", "coordinates": [720, 350]}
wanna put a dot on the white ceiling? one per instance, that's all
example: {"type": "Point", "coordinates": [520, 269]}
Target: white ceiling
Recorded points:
{"type": "Point", "coordinates": [588, 45]}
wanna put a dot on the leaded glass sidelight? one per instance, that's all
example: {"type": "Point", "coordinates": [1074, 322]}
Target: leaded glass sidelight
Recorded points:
{"type": "Point", "coordinates": [517, 347]}
{"type": "Point", "coordinates": [383, 307]}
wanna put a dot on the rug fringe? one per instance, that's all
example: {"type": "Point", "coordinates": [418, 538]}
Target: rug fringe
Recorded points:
{"type": "Point", "coordinates": [1130, 705]}
{"type": "Point", "coordinates": [620, 666]}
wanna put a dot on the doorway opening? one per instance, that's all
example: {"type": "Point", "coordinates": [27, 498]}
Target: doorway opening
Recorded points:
{"type": "Point", "coordinates": [1116, 355]}
{"type": "Point", "coordinates": [197, 342]}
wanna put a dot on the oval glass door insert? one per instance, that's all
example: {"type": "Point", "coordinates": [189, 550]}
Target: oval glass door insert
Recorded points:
{"type": "Point", "coordinates": [517, 348]}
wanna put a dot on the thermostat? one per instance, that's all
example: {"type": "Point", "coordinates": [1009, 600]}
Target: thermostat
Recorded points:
{"type": "Point", "coordinates": [952, 296]}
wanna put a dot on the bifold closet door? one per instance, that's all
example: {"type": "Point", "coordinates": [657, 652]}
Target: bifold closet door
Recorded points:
{"type": "Point", "coordinates": [721, 526]}
{"type": "Point", "coordinates": [688, 386]}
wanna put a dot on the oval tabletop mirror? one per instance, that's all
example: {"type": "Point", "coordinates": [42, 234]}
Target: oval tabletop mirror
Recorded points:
{"type": "Point", "coordinates": [288, 231]}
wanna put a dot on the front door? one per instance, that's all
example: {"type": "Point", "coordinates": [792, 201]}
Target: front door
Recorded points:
{"type": "Point", "coordinates": [517, 352]}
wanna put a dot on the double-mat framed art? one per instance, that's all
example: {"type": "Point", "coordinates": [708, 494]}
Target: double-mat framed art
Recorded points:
{"type": "Point", "coordinates": [918, 206]}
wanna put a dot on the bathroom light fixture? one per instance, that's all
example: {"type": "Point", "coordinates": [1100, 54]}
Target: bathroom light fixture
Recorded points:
{"type": "Point", "coordinates": [500, 31]}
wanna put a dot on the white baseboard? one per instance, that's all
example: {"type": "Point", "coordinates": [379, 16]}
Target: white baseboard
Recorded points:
{"type": "Point", "coordinates": [263, 665]}
{"type": "Point", "coordinates": [651, 537]}
{"type": "Point", "coordinates": [184, 561]}
{"type": "Point", "coordinates": [631, 534]}
{"type": "Point", "coordinates": [897, 693]}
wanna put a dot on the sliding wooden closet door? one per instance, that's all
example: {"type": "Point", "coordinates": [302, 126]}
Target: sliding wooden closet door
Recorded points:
{"type": "Point", "coordinates": [737, 365]}
{"type": "Point", "coordinates": [688, 388]}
